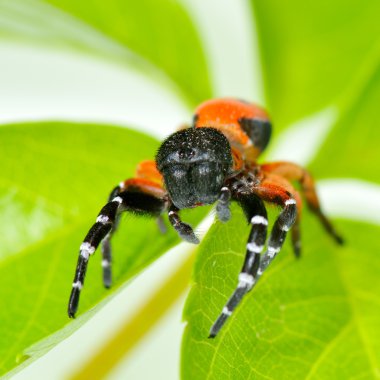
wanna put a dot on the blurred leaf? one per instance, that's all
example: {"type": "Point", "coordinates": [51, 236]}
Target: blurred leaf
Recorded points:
{"type": "Point", "coordinates": [312, 50]}
{"type": "Point", "coordinates": [155, 36]}
{"type": "Point", "coordinates": [55, 178]}
{"type": "Point", "coordinates": [317, 317]}
{"type": "Point", "coordinates": [351, 150]}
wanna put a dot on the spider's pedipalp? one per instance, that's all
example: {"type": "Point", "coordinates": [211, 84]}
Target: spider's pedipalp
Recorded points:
{"type": "Point", "coordinates": [223, 205]}
{"type": "Point", "coordinates": [256, 214]}
{"type": "Point", "coordinates": [184, 230]}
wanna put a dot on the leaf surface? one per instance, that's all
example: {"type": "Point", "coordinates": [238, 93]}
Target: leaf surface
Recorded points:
{"type": "Point", "coordinates": [55, 178]}
{"type": "Point", "coordinates": [313, 318]}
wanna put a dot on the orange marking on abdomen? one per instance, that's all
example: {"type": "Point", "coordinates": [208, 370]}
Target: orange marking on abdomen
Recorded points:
{"type": "Point", "coordinates": [144, 185]}
{"type": "Point", "coordinates": [148, 170]}
{"type": "Point", "coordinates": [224, 115]}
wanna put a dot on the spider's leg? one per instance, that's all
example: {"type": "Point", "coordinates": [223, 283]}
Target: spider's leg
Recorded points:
{"type": "Point", "coordinates": [147, 180]}
{"type": "Point", "coordinates": [161, 224]}
{"type": "Point", "coordinates": [184, 230]}
{"type": "Point", "coordinates": [272, 192]}
{"type": "Point", "coordinates": [294, 172]}
{"type": "Point", "coordinates": [257, 216]}
{"type": "Point", "coordinates": [106, 244]}
{"type": "Point", "coordinates": [133, 199]}
{"type": "Point", "coordinates": [327, 224]}
{"type": "Point", "coordinates": [296, 229]}
{"type": "Point", "coordinates": [223, 206]}
{"type": "Point", "coordinates": [312, 200]}
{"type": "Point", "coordinates": [98, 231]}
{"type": "Point", "coordinates": [296, 238]}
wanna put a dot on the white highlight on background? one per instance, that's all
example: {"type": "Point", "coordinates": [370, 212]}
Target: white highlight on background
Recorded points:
{"type": "Point", "coordinates": [351, 199]}
{"type": "Point", "coordinates": [38, 84]}
{"type": "Point", "coordinates": [301, 141]}
{"type": "Point", "coordinates": [227, 33]}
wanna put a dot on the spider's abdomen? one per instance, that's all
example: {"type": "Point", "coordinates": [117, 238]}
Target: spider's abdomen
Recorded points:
{"type": "Point", "coordinates": [246, 125]}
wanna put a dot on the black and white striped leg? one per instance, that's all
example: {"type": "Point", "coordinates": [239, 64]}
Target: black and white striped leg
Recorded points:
{"type": "Point", "coordinates": [136, 201]}
{"type": "Point", "coordinates": [107, 259]}
{"type": "Point", "coordinates": [255, 210]}
{"type": "Point", "coordinates": [184, 230]}
{"type": "Point", "coordinates": [96, 234]}
{"type": "Point", "coordinates": [223, 206]}
{"type": "Point", "coordinates": [277, 237]}
{"type": "Point", "coordinates": [296, 238]}
{"type": "Point", "coordinates": [106, 244]}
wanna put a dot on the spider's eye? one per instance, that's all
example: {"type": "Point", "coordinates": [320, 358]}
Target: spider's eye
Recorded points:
{"type": "Point", "coordinates": [186, 153]}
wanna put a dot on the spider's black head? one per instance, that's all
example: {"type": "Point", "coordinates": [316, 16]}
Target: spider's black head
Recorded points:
{"type": "Point", "coordinates": [194, 163]}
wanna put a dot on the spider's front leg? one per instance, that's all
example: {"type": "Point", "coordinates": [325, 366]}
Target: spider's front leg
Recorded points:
{"type": "Point", "coordinates": [256, 214]}
{"type": "Point", "coordinates": [106, 243]}
{"type": "Point", "coordinates": [139, 196]}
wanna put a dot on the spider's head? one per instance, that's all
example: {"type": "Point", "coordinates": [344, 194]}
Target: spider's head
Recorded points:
{"type": "Point", "coordinates": [194, 163]}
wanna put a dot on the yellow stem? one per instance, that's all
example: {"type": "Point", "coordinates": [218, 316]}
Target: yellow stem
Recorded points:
{"type": "Point", "coordinates": [134, 329]}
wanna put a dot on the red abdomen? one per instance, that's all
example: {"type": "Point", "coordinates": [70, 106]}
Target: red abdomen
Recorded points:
{"type": "Point", "coordinates": [246, 125]}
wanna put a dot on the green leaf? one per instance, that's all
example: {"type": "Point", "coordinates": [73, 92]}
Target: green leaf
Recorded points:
{"type": "Point", "coordinates": [316, 317]}
{"type": "Point", "coordinates": [311, 51]}
{"type": "Point", "coordinates": [155, 36]}
{"type": "Point", "coordinates": [55, 178]}
{"type": "Point", "coordinates": [352, 148]}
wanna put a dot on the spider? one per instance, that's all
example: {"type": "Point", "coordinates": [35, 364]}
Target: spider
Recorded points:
{"type": "Point", "coordinates": [214, 160]}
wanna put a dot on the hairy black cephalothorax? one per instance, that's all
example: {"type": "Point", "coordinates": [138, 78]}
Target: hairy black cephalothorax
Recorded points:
{"type": "Point", "coordinates": [194, 164]}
